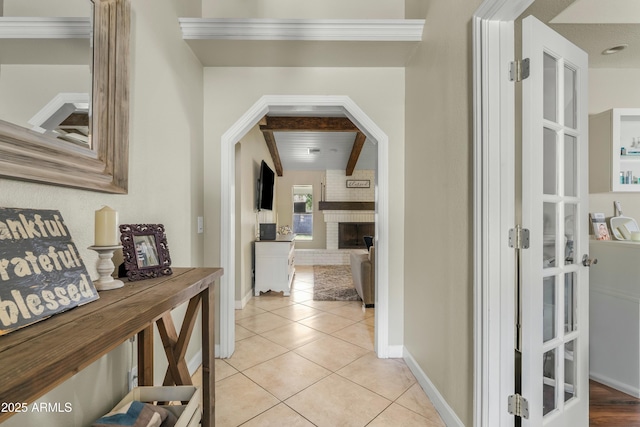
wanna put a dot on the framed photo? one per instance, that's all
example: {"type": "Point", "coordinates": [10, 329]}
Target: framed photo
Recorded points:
{"type": "Point", "coordinates": [145, 251]}
{"type": "Point", "coordinates": [358, 183]}
{"type": "Point", "coordinates": [599, 224]}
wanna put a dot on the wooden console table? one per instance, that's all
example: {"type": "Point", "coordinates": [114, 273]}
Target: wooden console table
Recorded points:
{"type": "Point", "coordinates": [36, 359]}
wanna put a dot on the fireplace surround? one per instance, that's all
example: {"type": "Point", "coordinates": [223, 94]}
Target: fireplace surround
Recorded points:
{"type": "Point", "coordinates": [351, 234]}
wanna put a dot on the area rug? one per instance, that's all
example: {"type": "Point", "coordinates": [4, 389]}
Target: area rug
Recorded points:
{"type": "Point", "coordinates": [333, 283]}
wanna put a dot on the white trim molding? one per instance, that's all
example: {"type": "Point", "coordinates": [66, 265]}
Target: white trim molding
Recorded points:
{"type": "Point", "coordinates": [494, 210]}
{"type": "Point", "coordinates": [45, 28]}
{"type": "Point", "coordinates": [58, 109]}
{"type": "Point", "coordinates": [311, 103]}
{"type": "Point", "coordinates": [240, 304]}
{"type": "Point", "coordinates": [444, 410]}
{"type": "Point", "coordinates": [302, 29]}
{"type": "Point", "coordinates": [396, 352]}
{"type": "Point", "coordinates": [618, 385]}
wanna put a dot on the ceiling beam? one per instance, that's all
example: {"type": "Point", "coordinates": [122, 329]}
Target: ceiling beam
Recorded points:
{"type": "Point", "coordinates": [270, 124]}
{"type": "Point", "coordinates": [310, 124]}
{"type": "Point", "coordinates": [76, 119]}
{"type": "Point", "coordinates": [355, 152]}
{"type": "Point", "coordinates": [273, 149]}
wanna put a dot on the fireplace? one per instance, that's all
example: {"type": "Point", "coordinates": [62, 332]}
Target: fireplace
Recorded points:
{"type": "Point", "coordinates": [351, 234]}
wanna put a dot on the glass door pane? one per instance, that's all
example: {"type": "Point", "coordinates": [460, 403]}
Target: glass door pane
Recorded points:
{"type": "Point", "coordinates": [569, 371]}
{"type": "Point", "coordinates": [549, 382]}
{"type": "Point", "coordinates": [570, 166]}
{"type": "Point", "coordinates": [570, 317]}
{"type": "Point", "coordinates": [570, 231]}
{"type": "Point", "coordinates": [549, 309]}
{"type": "Point", "coordinates": [550, 172]}
{"type": "Point", "coordinates": [549, 236]}
{"type": "Point", "coordinates": [570, 95]}
{"type": "Point", "coordinates": [550, 88]}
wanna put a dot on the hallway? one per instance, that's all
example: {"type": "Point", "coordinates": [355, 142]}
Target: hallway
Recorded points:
{"type": "Point", "coordinates": [300, 362]}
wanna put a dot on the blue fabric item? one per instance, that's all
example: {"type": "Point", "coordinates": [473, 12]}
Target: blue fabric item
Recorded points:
{"type": "Point", "coordinates": [128, 419]}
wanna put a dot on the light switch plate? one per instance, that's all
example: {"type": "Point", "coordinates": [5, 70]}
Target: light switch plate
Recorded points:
{"type": "Point", "coordinates": [200, 225]}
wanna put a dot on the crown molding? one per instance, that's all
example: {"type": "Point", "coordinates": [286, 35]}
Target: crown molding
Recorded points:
{"type": "Point", "coordinates": [302, 29]}
{"type": "Point", "coordinates": [45, 28]}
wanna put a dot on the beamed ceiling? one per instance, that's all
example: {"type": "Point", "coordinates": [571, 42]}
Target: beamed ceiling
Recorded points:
{"type": "Point", "coordinates": [316, 143]}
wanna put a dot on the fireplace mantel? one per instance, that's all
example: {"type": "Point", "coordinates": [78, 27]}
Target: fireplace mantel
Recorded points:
{"type": "Point", "coordinates": [347, 206]}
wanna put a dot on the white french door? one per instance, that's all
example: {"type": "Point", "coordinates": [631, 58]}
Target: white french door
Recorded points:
{"type": "Point", "coordinates": [555, 316]}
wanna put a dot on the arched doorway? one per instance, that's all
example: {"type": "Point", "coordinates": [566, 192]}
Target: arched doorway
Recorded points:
{"type": "Point", "coordinates": [341, 105]}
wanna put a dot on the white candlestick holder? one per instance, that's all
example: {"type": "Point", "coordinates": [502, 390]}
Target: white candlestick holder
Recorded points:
{"type": "Point", "coordinates": [105, 268]}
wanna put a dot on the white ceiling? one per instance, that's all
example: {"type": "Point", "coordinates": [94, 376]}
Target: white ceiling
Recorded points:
{"type": "Point", "coordinates": [595, 25]}
{"type": "Point", "coordinates": [600, 12]}
{"type": "Point", "coordinates": [335, 148]}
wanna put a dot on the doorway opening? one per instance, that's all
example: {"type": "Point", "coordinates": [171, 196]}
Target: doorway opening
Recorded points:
{"type": "Point", "coordinates": [340, 105]}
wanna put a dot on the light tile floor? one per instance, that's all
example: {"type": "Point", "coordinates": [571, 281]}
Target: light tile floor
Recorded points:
{"type": "Point", "coordinates": [300, 362]}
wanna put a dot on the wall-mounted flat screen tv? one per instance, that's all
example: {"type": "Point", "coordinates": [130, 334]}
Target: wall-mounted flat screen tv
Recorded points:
{"type": "Point", "coordinates": [265, 187]}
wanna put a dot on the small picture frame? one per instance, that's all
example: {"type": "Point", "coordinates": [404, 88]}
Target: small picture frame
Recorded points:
{"type": "Point", "coordinates": [145, 251]}
{"type": "Point", "coordinates": [599, 224]}
{"type": "Point", "coordinates": [358, 183]}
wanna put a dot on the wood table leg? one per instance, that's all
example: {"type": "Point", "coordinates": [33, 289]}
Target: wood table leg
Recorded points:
{"type": "Point", "coordinates": [177, 367]}
{"type": "Point", "coordinates": [181, 344]}
{"type": "Point", "coordinates": [145, 357]}
{"type": "Point", "coordinates": [208, 358]}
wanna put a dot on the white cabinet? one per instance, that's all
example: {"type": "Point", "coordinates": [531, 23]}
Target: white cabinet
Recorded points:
{"type": "Point", "coordinates": [614, 315]}
{"type": "Point", "coordinates": [614, 150]}
{"type": "Point", "coordinates": [275, 264]}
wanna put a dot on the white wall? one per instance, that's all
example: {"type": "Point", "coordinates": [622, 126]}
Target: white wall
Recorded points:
{"type": "Point", "coordinates": [416, 9]}
{"type": "Point", "coordinates": [165, 186]}
{"type": "Point", "coordinates": [327, 9]}
{"type": "Point", "coordinates": [439, 204]}
{"type": "Point", "coordinates": [47, 8]}
{"type": "Point", "coordinates": [26, 89]}
{"type": "Point", "coordinates": [379, 92]}
{"type": "Point", "coordinates": [337, 191]}
{"type": "Point", "coordinates": [251, 151]}
{"type": "Point", "coordinates": [614, 88]}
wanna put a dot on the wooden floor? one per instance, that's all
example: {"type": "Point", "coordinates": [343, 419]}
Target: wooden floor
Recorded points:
{"type": "Point", "coordinates": [612, 408]}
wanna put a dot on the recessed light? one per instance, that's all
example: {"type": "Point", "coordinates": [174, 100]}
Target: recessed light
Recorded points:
{"type": "Point", "coordinates": [615, 49]}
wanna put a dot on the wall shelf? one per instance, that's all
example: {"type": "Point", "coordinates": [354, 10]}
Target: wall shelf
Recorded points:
{"type": "Point", "coordinates": [610, 132]}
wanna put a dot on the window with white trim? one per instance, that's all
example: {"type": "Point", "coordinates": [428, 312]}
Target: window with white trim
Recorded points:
{"type": "Point", "coordinates": [303, 212]}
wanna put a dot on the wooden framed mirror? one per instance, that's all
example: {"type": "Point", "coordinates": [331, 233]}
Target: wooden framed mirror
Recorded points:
{"type": "Point", "coordinates": [102, 165]}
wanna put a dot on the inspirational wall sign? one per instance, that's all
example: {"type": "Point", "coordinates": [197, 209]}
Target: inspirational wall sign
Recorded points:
{"type": "Point", "coordinates": [41, 272]}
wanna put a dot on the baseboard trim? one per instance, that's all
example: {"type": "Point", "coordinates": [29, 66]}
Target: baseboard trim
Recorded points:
{"type": "Point", "coordinates": [395, 351]}
{"type": "Point", "coordinates": [625, 388]}
{"type": "Point", "coordinates": [243, 302]}
{"type": "Point", "coordinates": [195, 362]}
{"type": "Point", "coordinates": [446, 412]}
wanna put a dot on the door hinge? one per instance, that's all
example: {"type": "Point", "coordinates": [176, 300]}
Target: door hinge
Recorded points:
{"type": "Point", "coordinates": [518, 406]}
{"type": "Point", "coordinates": [519, 70]}
{"type": "Point", "coordinates": [519, 238]}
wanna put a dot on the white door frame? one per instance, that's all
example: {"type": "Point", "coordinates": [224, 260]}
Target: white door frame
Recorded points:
{"type": "Point", "coordinates": [310, 103]}
{"type": "Point", "coordinates": [494, 209]}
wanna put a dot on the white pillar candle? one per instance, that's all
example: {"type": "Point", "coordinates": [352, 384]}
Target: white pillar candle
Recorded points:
{"type": "Point", "coordinates": [106, 231]}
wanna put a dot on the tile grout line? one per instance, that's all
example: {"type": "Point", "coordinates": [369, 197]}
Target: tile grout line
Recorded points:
{"type": "Point", "coordinates": [274, 305]}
